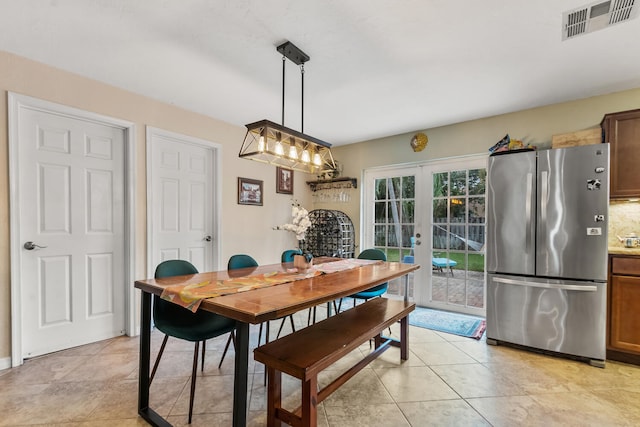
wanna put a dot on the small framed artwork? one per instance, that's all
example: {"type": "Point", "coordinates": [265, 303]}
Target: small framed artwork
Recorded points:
{"type": "Point", "coordinates": [249, 192]}
{"type": "Point", "coordinates": [284, 181]}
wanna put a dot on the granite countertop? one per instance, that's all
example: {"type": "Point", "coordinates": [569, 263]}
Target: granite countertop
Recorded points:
{"type": "Point", "coordinates": [621, 250]}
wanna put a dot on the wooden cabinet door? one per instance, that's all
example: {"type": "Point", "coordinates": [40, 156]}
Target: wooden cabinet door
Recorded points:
{"type": "Point", "coordinates": [625, 314]}
{"type": "Point", "coordinates": [622, 130]}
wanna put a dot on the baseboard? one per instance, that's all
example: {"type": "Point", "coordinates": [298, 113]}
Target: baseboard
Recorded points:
{"type": "Point", "coordinates": [5, 363]}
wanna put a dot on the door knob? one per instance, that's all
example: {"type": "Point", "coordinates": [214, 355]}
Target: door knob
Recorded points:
{"type": "Point", "coordinates": [207, 238]}
{"type": "Point", "coordinates": [418, 242]}
{"type": "Point", "coordinates": [31, 246]}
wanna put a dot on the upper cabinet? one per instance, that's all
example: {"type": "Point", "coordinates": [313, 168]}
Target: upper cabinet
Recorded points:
{"type": "Point", "coordinates": [622, 130]}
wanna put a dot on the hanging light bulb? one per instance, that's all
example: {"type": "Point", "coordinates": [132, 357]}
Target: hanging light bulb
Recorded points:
{"type": "Point", "coordinates": [278, 148]}
{"type": "Point", "coordinates": [261, 142]}
{"type": "Point", "coordinates": [305, 157]}
{"type": "Point", "coordinates": [317, 159]}
{"type": "Point", "coordinates": [293, 152]}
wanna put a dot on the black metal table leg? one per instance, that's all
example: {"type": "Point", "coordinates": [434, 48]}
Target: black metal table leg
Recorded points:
{"type": "Point", "coordinates": [144, 410]}
{"type": "Point", "coordinates": [241, 371]}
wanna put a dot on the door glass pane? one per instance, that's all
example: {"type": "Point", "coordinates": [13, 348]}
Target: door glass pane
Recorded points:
{"type": "Point", "coordinates": [408, 207]}
{"type": "Point", "coordinates": [408, 187]}
{"type": "Point", "coordinates": [458, 183]}
{"type": "Point", "coordinates": [476, 209]}
{"type": "Point", "coordinates": [440, 211]}
{"type": "Point", "coordinates": [380, 235]}
{"type": "Point", "coordinates": [458, 210]}
{"type": "Point", "coordinates": [441, 184]}
{"type": "Point", "coordinates": [477, 180]}
{"type": "Point", "coordinates": [395, 190]}
{"type": "Point", "coordinates": [381, 189]}
{"type": "Point", "coordinates": [380, 212]}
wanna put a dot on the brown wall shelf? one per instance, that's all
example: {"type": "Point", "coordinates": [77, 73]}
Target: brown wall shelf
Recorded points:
{"type": "Point", "coordinates": [328, 184]}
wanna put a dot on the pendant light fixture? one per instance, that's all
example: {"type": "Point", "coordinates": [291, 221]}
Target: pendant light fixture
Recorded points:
{"type": "Point", "coordinates": [269, 142]}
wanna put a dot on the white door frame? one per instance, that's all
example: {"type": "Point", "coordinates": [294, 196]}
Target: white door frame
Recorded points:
{"type": "Point", "coordinates": [424, 205]}
{"type": "Point", "coordinates": [15, 103]}
{"type": "Point", "coordinates": [217, 185]}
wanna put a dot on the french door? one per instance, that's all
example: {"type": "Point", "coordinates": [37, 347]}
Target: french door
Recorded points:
{"type": "Point", "coordinates": [433, 215]}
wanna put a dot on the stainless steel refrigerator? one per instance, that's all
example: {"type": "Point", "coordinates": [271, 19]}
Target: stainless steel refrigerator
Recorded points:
{"type": "Point", "coordinates": [547, 219]}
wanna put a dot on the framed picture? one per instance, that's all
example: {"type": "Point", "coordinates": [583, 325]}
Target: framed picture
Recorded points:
{"type": "Point", "coordinates": [284, 181]}
{"type": "Point", "coordinates": [249, 192]}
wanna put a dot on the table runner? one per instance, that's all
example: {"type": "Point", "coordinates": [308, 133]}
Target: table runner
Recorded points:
{"type": "Point", "coordinates": [191, 295]}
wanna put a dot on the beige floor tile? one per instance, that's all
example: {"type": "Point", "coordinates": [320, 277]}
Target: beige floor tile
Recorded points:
{"type": "Point", "coordinates": [515, 411]}
{"type": "Point", "coordinates": [391, 359]}
{"type": "Point", "coordinates": [60, 402]}
{"type": "Point", "coordinates": [213, 394]}
{"type": "Point", "coordinates": [442, 413]}
{"type": "Point", "coordinates": [475, 380]}
{"type": "Point", "coordinates": [440, 353]}
{"type": "Point", "coordinates": [104, 367]}
{"type": "Point", "coordinates": [44, 370]}
{"type": "Point", "coordinates": [582, 409]}
{"type": "Point", "coordinates": [624, 400]}
{"type": "Point", "coordinates": [372, 415]}
{"type": "Point", "coordinates": [417, 334]}
{"type": "Point", "coordinates": [532, 377]}
{"type": "Point", "coordinates": [414, 384]}
{"type": "Point", "coordinates": [365, 388]}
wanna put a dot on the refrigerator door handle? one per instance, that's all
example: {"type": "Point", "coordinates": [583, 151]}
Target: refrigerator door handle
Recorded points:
{"type": "Point", "coordinates": [544, 198]}
{"type": "Point", "coordinates": [586, 288]}
{"type": "Point", "coordinates": [528, 214]}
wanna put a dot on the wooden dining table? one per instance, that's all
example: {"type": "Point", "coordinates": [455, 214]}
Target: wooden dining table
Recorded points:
{"type": "Point", "coordinates": [256, 306]}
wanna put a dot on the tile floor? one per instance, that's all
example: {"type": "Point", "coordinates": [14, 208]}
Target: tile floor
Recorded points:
{"type": "Point", "coordinates": [447, 381]}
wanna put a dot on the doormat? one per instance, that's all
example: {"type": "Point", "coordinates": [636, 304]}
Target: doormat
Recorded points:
{"type": "Point", "coordinates": [445, 321]}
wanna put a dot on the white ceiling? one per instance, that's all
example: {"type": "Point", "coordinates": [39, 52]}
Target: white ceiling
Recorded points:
{"type": "Point", "coordinates": [377, 68]}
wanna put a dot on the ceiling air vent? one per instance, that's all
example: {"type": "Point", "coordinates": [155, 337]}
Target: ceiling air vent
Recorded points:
{"type": "Point", "coordinates": [597, 16]}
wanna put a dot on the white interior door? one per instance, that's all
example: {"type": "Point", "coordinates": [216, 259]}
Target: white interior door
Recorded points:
{"type": "Point", "coordinates": [71, 205]}
{"type": "Point", "coordinates": [181, 199]}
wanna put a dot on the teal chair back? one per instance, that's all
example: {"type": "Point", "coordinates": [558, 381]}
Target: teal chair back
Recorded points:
{"type": "Point", "coordinates": [373, 254]}
{"type": "Point", "coordinates": [179, 322]}
{"type": "Point", "coordinates": [287, 256]}
{"type": "Point", "coordinates": [241, 261]}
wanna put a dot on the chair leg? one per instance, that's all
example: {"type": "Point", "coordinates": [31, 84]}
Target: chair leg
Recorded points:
{"type": "Point", "coordinates": [232, 337]}
{"type": "Point", "coordinates": [194, 372]}
{"type": "Point", "coordinates": [204, 348]}
{"type": "Point", "coordinates": [281, 325]}
{"type": "Point", "coordinates": [337, 308]}
{"type": "Point", "coordinates": [155, 365]}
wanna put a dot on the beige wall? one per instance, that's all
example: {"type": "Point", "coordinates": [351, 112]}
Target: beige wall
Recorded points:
{"type": "Point", "coordinates": [245, 228]}
{"type": "Point", "coordinates": [535, 126]}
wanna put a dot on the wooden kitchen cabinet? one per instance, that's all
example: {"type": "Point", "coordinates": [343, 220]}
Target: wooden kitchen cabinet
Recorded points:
{"type": "Point", "coordinates": [623, 342]}
{"type": "Point", "coordinates": [622, 131]}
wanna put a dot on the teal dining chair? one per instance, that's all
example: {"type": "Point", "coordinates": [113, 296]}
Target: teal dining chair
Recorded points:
{"type": "Point", "coordinates": [237, 262]}
{"type": "Point", "coordinates": [287, 256]}
{"type": "Point", "coordinates": [176, 321]}
{"type": "Point", "coordinates": [376, 291]}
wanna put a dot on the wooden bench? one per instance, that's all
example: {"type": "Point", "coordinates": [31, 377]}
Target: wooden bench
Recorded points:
{"type": "Point", "coordinates": [306, 352]}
